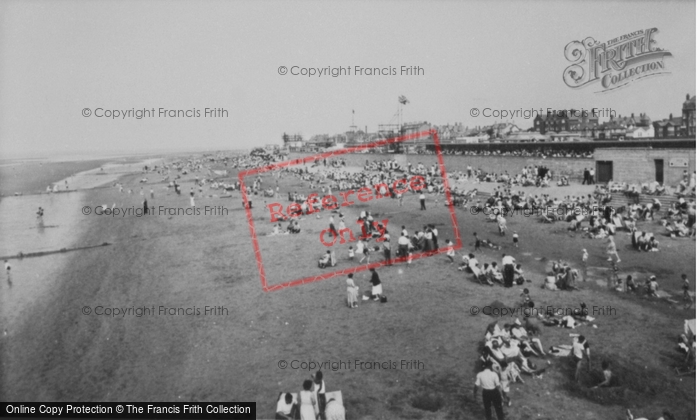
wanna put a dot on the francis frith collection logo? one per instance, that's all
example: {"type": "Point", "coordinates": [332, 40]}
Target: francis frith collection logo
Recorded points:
{"type": "Point", "coordinates": [616, 63]}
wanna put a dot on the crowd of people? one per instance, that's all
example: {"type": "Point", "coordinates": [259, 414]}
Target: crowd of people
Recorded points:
{"type": "Point", "coordinates": [543, 152]}
{"type": "Point", "coordinates": [510, 350]}
{"type": "Point", "coordinates": [311, 403]}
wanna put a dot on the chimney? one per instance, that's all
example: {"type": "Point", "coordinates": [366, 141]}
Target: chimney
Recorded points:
{"type": "Point", "coordinates": [687, 96]}
{"type": "Point", "coordinates": [633, 115]}
{"type": "Point", "coordinates": [670, 116]}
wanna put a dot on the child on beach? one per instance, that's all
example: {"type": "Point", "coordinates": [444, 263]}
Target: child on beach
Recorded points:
{"type": "Point", "coordinates": [515, 239]}
{"type": "Point", "coordinates": [351, 254]}
{"type": "Point", "coordinates": [686, 287]}
{"type": "Point", "coordinates": [450, 251]}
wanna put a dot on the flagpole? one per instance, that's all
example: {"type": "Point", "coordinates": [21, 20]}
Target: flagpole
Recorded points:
{"type": "Point", "coordinates": [399, 115]}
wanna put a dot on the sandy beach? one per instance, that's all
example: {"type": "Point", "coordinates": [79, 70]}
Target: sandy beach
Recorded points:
{"type": "Point", "coordinates": [54, 351]}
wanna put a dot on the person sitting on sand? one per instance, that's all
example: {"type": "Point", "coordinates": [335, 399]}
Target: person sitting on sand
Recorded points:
{"type": "Point", "coordinates": [334, 410]}
{"type": "Point", "coordinates": [512, 352]}
{"type": "Point", "coordinates": [496, 273]}
{"type": "Point", "coordinates": [519, 333]}
{"type": "Point", "coordinates": [631, 284]}
{"type": "Point", "coordinates": [466, 263]}
{"type": "Point", "coordinates": [519, 274]}
{"type": "Point", "coordinates": [552, 321]}
{"type": "Point", "coordinates": [607, 376]}
{"type": "Point", "coordinates": [286, 407]}
{"type": "Point", "coordinates": [325, 260]}
{"type": "Point", "coordinates": [665, 416]}
{"type": "Point", "coordinates": [525, 298]}
{"type": "Point", "coordinates": [276, 230]}
{"type": "Point", "coordinates": [293, 227]}
{"type": "Point", "coordinates": [487, 272]}
{"type": "Point", "coordinates": [652, 287]}
{"type": "Point", "coordinates": [495, 354]}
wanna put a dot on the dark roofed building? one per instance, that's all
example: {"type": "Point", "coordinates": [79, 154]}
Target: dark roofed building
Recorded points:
{"type": "Point", "coordinates": [689, 115]}
{"type": "Point", "coordinates": [671, 127]}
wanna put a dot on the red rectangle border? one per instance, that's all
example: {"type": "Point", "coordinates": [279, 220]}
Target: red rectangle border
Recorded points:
{"type": "Point", "coordinates": [334, 153]}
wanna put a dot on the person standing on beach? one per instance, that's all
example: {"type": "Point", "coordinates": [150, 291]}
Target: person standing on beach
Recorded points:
{"type": "Point", "coordinates": [331, 229]}
{"type": "Point", "coordinates": [612, 249]}
{"type": "Point", "coordinates": [352, 291]}
{"type": "Point", "coordinates": [490, 385]}
{"type": "Point", "coordinates": [403, 245]}
{"type": "Point", "coordinates": [7, 270]}
{"type": "Point", "coordinates": [508, 270]}
{"type": "Point", "coordinates": [435, 236]}
{"type": "Point", "coordinates": [579, 350]}
{"type": "Point", "coordinates": [386, 245]}
{"type": "Point", "coordinates": [152, 197]}
{"type": "Point", "coordinates": [145, 206]}
{"type": "Point", "coordinates": [477, 243]}
{"type": "Point", "coordinates": [422, 201]}
{"type": "Point", "coordinates": [584, 259]}
{"type": "Point", "coordinates": [686, 288]}
{"type": "Point", "coordinates": [192, 197]}
{"type": "Point", "coordinates": [376, 285]}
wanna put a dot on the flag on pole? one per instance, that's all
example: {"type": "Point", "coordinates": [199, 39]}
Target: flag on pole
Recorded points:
{"type": "Point", "coordinates": [403, 100]}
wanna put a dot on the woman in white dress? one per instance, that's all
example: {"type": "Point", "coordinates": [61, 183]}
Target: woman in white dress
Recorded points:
{"type": "Point", "coordinates": [308, 406]}
{"type": "Point", "coordinates": [352, 291]}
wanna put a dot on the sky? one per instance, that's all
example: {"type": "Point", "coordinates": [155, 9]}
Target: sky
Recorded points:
{"type": "Point", "coordinates": [58, 59]}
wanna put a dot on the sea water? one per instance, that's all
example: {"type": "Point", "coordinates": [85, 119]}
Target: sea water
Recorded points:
{"type": "Point", "coordinates": [20, 231]}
